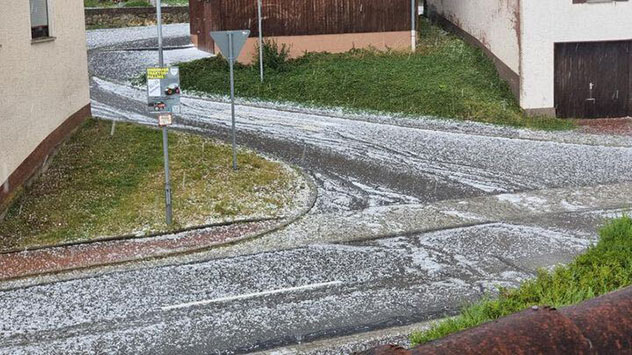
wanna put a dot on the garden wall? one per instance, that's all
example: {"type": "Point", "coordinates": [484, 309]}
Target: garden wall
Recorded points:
{"type": "Point", "coordinates": [134, 16]}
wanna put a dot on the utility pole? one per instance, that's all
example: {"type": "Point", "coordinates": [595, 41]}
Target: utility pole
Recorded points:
{"type": "Point", "coordinates": [260, 6]}
{"type": "Point", "coordinates": [413, 22]}
{"type": "Point", "coordinates": [165, 138]}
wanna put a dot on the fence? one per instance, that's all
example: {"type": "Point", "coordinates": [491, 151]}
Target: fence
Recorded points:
{"type": "Point", "coordinates": [299, 17]}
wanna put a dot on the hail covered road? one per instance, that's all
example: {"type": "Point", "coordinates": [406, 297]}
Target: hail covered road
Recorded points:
{"type": "Point", "coordinates": [413, 218]}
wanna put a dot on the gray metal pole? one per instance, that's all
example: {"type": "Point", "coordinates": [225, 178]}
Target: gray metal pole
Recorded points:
{"type": "Point", "coordinates": [231, 59]}
{"type": "Point", "coordinates": [165, 137]}
{"type": "Point", "coordinates": [165, 150]}
{"type": "Point", "coordinates": [260, 39]}
{"type": "Point", "coordinates": [161, 62]}
{"type": "Point", "coordinates": [413, 29]}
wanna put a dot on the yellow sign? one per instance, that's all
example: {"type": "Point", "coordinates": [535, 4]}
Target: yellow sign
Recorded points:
{"type": "Point", "coordinates": [157, 73]}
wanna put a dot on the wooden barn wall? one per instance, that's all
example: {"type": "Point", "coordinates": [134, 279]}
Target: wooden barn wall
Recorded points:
{"type": "Point", "coordinates": [301, 17]}
{"type": "Point", "coordinates": [199, 26]}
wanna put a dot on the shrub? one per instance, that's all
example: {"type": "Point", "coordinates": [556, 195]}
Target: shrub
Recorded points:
{"type": "Point", "coordinates": [275, 56]}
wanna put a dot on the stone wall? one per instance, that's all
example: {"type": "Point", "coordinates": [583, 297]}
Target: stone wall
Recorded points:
{"type": "Point", "coordinates": [134, 16]}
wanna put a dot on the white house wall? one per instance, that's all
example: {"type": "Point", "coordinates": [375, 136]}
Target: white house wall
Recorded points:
{"type": "Point", "coordinates": [494, 23]}
{"type": "Point", "coordinates": [41, 84]}
{"type": "Point", "coordinates": [545, 22]}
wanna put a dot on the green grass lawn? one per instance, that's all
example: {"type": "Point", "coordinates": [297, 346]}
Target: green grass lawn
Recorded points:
{"type": "Point", "coordinates": [444, 78]}
{"type": "Point", "coordinates": [605, 267]}
{"type": "Point", "coordinates": [98, 3]}
{"type": "Point", "coordinates": [99, 185]}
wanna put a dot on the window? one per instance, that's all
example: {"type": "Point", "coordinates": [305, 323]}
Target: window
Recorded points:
{"type": "Point", "coordinates": [39, 19]}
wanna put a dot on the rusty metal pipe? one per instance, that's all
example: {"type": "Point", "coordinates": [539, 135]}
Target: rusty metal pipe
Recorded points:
{"type": "Point", "coordinates": [599, 326]}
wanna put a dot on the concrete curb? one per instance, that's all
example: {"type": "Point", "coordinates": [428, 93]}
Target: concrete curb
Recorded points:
{"type": "Point", "coordinates": [139, 49]}
{"type": "Point", "coordinates": [449, 125]}
{"type": "Point", "coordinates": [309, 204]}
{"type": "Point", "coordinates": [135, 237]}
{"type": "Point", "coordinates": [398, 335]}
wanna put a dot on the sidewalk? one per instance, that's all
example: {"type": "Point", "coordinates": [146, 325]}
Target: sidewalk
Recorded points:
{"type": "Point", "coordinates": [65, 258]}
{"type": "Point", "coordinates": [608, 126]}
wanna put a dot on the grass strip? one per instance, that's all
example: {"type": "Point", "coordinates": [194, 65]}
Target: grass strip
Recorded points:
{"type": "Point", "coordinates": [445, 78]}
{"type": "Point", "coordinates": [101, 186]}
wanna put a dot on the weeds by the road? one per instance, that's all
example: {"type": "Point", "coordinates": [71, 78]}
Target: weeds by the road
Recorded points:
{"type": "Point", "coordinates": [99, 185]}
{"type": "Point", "coordinates": [605, 267]}
{"type": "Point", "coordinates": [444, 78]}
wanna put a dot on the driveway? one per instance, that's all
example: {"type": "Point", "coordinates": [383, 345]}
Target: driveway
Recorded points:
{"type": "Point", "coordinates": [414, 218]}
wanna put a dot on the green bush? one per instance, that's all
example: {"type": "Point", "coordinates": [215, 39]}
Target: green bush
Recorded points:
{"type": "Point", "coordinates": [275, 56]}
{"type": "Point", "coordinates": [603, 268]}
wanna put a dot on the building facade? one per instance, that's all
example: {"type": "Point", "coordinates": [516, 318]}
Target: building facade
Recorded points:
{"type": "Point", "coordinates": [45, 89]}
{"type": "Point", "coordinates": [569, 58]}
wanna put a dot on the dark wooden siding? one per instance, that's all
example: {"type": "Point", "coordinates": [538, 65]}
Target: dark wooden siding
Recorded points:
{"type": "Point", "coordinates": [300, 17]}
{"type": "Point", "coordinates": [200, 25]}
{"type": "Point", "coordinates": [606, 66]}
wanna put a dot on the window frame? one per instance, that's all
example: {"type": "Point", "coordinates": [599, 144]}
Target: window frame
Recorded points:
{"type": "Point", "coordinates": [46, 30]}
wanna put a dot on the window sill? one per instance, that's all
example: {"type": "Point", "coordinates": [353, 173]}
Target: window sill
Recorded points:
{"type": "Point", "coordinates": [43, 40]}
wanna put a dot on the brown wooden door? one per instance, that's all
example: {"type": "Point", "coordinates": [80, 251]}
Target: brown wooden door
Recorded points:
{"type": "Point", "coordinates": [593, 79]}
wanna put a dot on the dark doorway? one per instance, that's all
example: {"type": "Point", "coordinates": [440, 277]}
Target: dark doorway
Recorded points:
{"type": "Point", "coordinates": [593, 79]}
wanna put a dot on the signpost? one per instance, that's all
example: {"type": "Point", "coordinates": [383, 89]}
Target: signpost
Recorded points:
{"type": "Point", "coordinates": [163, 93]}
{"type": "Point", "coordinates": [231, 43]}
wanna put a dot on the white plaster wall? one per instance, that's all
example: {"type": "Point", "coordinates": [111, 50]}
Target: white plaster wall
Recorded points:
{"type": "Point", "coordinates": [495, 23]}
{"type": "Point", "coordinates": [545, 22]}
{"type": "Point", "coordinates": [41, 84]}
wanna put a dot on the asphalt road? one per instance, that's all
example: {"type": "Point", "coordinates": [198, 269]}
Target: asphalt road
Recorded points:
{"type": "Point", "coordinates": [268, 299]}
{"type": "Point", "coordinates": [414, 218]}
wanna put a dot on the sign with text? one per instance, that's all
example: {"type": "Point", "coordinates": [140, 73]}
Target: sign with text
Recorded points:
{"type": "Point", "coordinates": [165, 119]}
{"type": "Point", "coordinates": [163, 88]}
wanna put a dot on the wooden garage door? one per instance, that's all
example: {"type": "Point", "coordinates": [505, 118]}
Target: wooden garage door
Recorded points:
{"type": "Point", "coordinates": [593, 79]}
